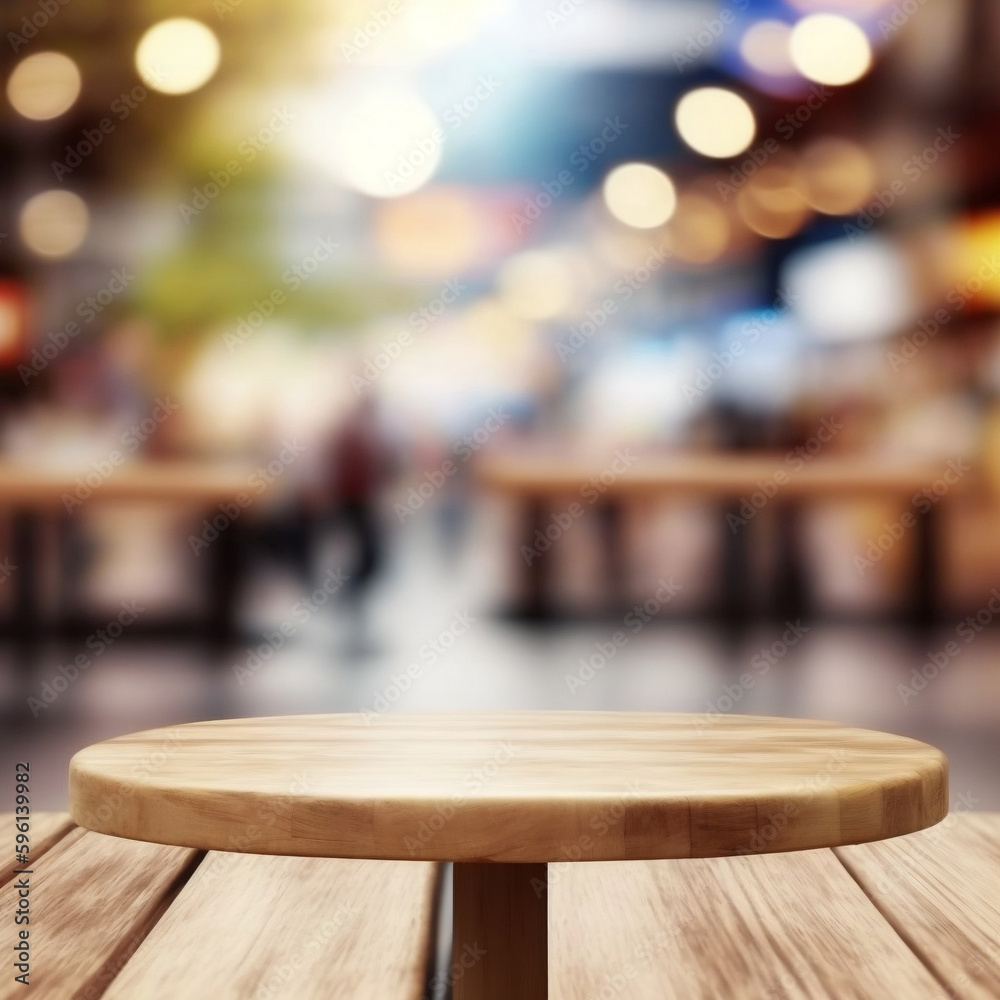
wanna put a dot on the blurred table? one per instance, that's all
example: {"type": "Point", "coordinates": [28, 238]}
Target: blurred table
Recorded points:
{"type": "Point", "coordinates": [33, 493]}
{"type": "Point", "coordinates": [540, 480]}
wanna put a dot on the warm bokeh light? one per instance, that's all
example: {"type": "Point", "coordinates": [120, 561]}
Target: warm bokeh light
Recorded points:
{"type": "Point", "coordinates": [44, 85]}
{"type": "Point", "coordinates": [715, 122]}
{"type": "Point", "coordinates": [382, 140]}
{"type": "Point", "coordinates": [639, 195]}
{"type": "Point", "coordinates": [828, 48]}
{"type": "Point", "coordinates": [699, 230]}
{"type": "Point", "coordinates": [54, 223]}
{"type": "Point", "coordinates": [402, 225]}
{"type": "Point", "coordinates": [838, 176]}
{"type": "Point", "coordinates": [537, 284]}
{"type": "Point", "coordinates": [177, 56]}
{"type": "Point", "coordinates": [772, 203]}
{"type": "Point", "coordinates": [765, 48]}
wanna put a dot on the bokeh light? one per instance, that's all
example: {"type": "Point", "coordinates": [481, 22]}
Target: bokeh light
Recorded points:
{"type": "Point", "coordinates": [715, 122]}
{"type": "Point", "coordinates": [828, 48]}
{"type": "Point", "coordinates": [402, 225]}
{"type": "Point", "coordinates": [639, 195]}
{"type": "Point", "coordinates": [838, 175]}
{"type": "Point", "coordinates": [765, 48]}
{"type": "Point", "coordinates": [177, 56]}
{"type": "Point", "coordinates": [699, 230]}
{"type": "Point", "coordinates": [380, 139]}
{"type": "Point", "coordinates": [537, 284]}
{"type": "Point", "coordinates": [54, 223]}
{"type": "Point", "coordinates": [44, 85]}
{"type": "Point", "coordinates": [772, 203]}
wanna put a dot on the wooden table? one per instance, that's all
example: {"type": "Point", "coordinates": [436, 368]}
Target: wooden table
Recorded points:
{"type": "Point", "coordinates": [503, 795]}
{"type": "Point", "coordinates": [547, 482]}
{"type": "Point", "coordinates": [33, 493]}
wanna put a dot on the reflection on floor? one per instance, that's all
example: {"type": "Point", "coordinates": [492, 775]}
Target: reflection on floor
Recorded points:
{"type": "Point", "coordinates": [433, 643]}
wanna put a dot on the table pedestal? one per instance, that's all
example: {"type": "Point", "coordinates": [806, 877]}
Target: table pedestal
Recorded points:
{"type": "Point", "coordinates": [501, 936]}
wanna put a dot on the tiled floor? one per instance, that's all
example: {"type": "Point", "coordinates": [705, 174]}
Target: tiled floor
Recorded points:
{"type": "Point", "coordinates": [438, 616]}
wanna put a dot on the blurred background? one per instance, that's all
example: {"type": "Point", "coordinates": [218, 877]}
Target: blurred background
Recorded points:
{"type": "Point", "coordinates": [406, 354]}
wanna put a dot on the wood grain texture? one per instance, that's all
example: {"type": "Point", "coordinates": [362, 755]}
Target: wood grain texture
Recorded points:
{"type": "Point", "coordinates": [176, 481]}
{"type": "Point", "coordinates": [93, 899]}
{"type": "Point", "coordinates": [47, 829]}
{"type": "Point", "coordinates": [304, 928]}
{"type": "Point", "coordinates": [940, 889]}
{"type": "Point", "coordinates": [565, 474]}
{"type": "Point", "coordinates": [509, 786]}
{"type": "Point", "coordinates": [779, 927]}
{"type": "Point", "coordinates": [500, 942]}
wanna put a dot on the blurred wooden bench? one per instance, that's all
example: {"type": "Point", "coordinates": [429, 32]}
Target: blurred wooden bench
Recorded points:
{"type": "Point", "coordinates": [915, 918]}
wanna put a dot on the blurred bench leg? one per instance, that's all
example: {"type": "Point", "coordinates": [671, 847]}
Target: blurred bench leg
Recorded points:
{"type": "Point", "coordinates": [534, 599]}
{"type": "Point", "coordinates": [735, 569]}
{"type": "Point", "coordinates": [792, 595]}
{"type": "Point", "coordinates": [611, 526]}
{"type": "Point", "coordinates": [222, 625]}
{"type": "Point", "coordinates": [926, 568]}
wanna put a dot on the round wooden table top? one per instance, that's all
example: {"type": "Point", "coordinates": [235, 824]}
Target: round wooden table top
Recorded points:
{"type": "Point", "coordinates": [509, 786]}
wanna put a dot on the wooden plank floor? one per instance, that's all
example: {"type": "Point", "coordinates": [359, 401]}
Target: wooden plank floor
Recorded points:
{"type": "Point", "coordinates": [914, 918]}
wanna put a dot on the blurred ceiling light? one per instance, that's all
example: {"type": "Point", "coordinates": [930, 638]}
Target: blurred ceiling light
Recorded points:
{"type": "Point", "coordinates": [772, 203]}
{"type": "Point", "coordinates": [839, 176]}
{"type": "Point", "coordinates": [54, 223]}
{"type": "Point", "coordinates": [537, 284]}
{"type": "Point", "coordinates": [44, 85]}
{"type": "Point", "coordinates": [639, 195]}
{"type": "Point", "coordinates": [433, 233]}
{"type": "Point", "coordinates": [765, 48]}
{"type": "Point", "coordinates": [380, 139]}
{"type": "Point", "coordinates": [177, 56]}
{"type": "Point", "coordinates": [843, 291]}
{"type": "Point", "coordinates": [699, 229]}
{"type": "Point", "coordinates": [715, 122]}
{"type": "Point", "coordinates": [831, 49]}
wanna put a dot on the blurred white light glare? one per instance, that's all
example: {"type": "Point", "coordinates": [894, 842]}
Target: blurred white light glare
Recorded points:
{"type": "Point", "coordinates": [847, 292]}
{"type": "Point", "coordinates": [765, 48]}
{"type": "Point", "coordinates": [715, 122]}
{"type": "Point", "coordinates": [380, 139]}
{"type": "Point", "coordinates": [639, 195]}
{"type": "Point", "coordinates": [54, 223]}
{"type": "Point", "coordinates": [177, 56]}
{"type": "Point", "coordinates": [537, 284]}
{"type": "Point", "coordinates": [831, 49]}
{"type": "Point", "coordinates": [44, 85]}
